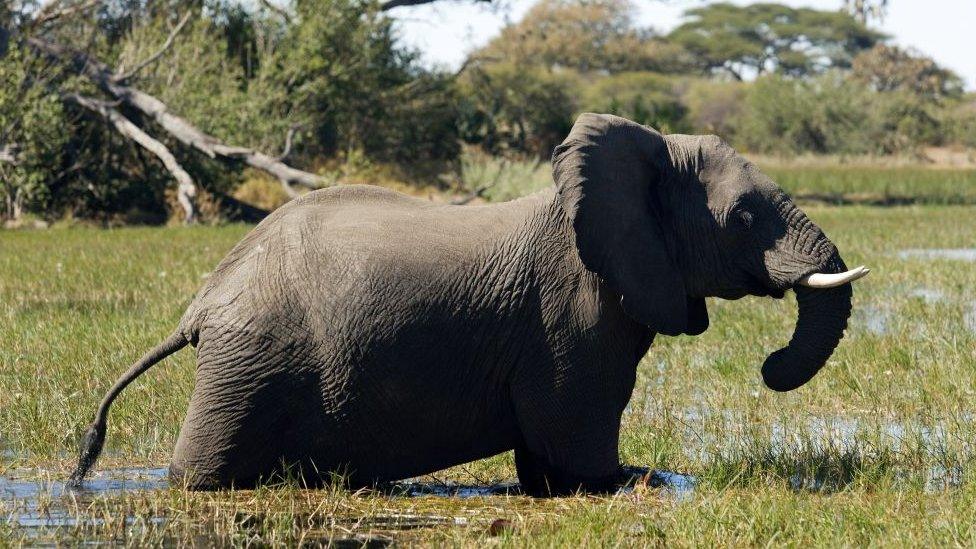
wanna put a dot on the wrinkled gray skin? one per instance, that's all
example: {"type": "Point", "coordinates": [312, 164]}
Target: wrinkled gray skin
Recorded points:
{"type": "Point", "coordinates": [362, 331]}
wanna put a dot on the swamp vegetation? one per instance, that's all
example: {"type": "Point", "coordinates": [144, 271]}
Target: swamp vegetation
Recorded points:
{"type": "Point", "coordinates": [878, 450]}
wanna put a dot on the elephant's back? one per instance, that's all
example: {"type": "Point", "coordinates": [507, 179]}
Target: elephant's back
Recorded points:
{"type": "Point", "coordinates": [349, 246]}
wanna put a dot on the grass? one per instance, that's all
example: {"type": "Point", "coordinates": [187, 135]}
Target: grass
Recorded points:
{"type": "Point", "coordinates": [831, 182]}
{"type": "Point", "coordinates": [877, 450]}
{"type": "Point", "coordinates": [872, 184]}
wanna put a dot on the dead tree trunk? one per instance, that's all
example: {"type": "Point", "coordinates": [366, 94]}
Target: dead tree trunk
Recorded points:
{"type": "Point", "coordinates": [186, 190]}
{"type": "Point", "coordinates": [8, 154]}
{"type": "Point", "coordinates": [177, 127]}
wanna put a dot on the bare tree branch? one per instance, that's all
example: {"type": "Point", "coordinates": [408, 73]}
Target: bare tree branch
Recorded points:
{"type": "Point", "coordinates": [57, 9]}
{"type": "Point", "coordinates": [282, 12]}
{"type": "Point", "coordinates": [390, 4]}
{"type": "Point", "coordinates": [177, 127]}
{"type": "Point", "coordinates": [125, 75]}
{"type": "Point", "coordinates": [8, 154]}
{"type": "Point", "coordinates": [288, 141]}
{"type": "Point", "coordinates": [186, 189]}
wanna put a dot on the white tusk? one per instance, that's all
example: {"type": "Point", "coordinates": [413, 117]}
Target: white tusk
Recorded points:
{"type": "Point", "coordinates": [820, 280]}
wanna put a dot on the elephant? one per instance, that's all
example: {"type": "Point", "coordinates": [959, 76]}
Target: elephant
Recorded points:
{"type": "Point", "coordinates": [359, 331]}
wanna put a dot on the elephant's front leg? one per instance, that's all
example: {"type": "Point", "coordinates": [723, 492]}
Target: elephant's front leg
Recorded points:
{"type": "Point", "coordinates": [570, 431]}
{"type": "Point", "coordinates": [539, 478]}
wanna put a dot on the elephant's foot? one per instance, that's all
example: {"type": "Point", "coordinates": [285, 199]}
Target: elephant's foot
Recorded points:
{"type": "Point", "coordinates": [191, 480]}
{"type": "Point", "coordinates": [540, 480]}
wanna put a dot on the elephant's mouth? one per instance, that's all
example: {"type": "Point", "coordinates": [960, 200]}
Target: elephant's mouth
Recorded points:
{"type": "Point", "coordinates": [824, 304]}
{"type": "Point", "coordinates": [751, 284]}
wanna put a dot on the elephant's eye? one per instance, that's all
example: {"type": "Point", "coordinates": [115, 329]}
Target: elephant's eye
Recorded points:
{"type": "Point", "coordinates": [741, 218]}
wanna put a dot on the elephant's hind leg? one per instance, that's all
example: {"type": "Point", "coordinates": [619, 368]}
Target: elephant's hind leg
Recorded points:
{"type": "Point", "coordinates": [246, 415]}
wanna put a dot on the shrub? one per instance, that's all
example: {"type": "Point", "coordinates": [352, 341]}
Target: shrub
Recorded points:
{"type": "Point", "coordinates": [643, 97]}
{"type": "Point", "coordinates": [32, 132]}
{"type": "Point", "coordinates": [506, 108]}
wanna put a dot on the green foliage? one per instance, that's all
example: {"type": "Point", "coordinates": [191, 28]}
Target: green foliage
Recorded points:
{"type": "Point", "coordinates": [501, 179]}
{"type": "Point", "coordinates": [643, 97]}
{"type": "Point", "coordinates": [584, 35]}
{"type": "Point", "coordinates": [771, 38]}
{"type": "Point", "coordinates": [959, 121]}
{"type": "Point", "coordinates": [32, 132]}
{"type": "Point", "coordinates": [334, 77]}
{"type": "Point", "coordinates": [509, 107]}
{"type": "Point", "coordinates": [715, 106]}
{"type": "Point", "coordinates": [833, 114]}
{"type": "Point", "coordinates": [890, 68]}
{"type": "Point", "coordinates": [339, 71]}
{"type": "Point", "coordinates": [783, 115]}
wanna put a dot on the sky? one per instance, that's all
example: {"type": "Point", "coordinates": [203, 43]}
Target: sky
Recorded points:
{"type": "Point", "coordinates": [445, 32]}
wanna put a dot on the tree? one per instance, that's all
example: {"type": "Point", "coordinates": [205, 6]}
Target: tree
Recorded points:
{"type": "Point", "coordinates": [202, 91]}
{"type": "Point", "coordinates": [761, 38]}
{"type": "Point", "coordinates": [339, 72]}
{"type": "Point", "coordinates": [864, 10]}
{"type": "Point", "coordinates": [509, 107]}
{"type": "Point", "coordinates": [890, 68]}
{"type": "Point", "coordinates": [31, 134]}
{"type": "Point", "coordinates": [584, 35]}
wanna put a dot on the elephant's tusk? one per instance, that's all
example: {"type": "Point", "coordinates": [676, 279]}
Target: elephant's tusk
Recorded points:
{"type": "Point", "coordinates": [821, 280]}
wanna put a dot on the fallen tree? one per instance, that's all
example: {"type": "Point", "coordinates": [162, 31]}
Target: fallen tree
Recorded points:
{"type": "Point", "coordinates": [177, 127]}
{"type": "Point", "coordinates": [8, 154]}
{"type": "Point", "coordinates": [186, 190]}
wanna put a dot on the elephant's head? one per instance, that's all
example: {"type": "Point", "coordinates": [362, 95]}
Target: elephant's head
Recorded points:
{"type": "Point", "coordinates": [668, 220]}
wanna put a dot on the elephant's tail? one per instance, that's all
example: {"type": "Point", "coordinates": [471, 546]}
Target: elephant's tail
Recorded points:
{"type": "Point", "coordinates": [91, 443]}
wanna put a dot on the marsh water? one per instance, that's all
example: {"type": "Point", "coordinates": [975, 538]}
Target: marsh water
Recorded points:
{"type": "Point", "coordinates": [880, 319]}
{"type": "Point", "coordinates": [38, 502]}
{"type": "Point", "coordinates": [814, 453]}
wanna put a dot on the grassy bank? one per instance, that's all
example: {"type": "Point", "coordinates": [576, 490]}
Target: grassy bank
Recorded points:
{"type": "Point", "coordinates": [878, 449]}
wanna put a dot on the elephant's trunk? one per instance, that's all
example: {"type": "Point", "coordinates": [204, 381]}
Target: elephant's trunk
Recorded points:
{"type": "Point", "coordinates": [823, 315]}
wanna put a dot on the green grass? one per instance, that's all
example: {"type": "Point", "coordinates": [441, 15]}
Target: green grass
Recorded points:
{"type": "Point", "coordinates": [877, 450]}
{"type": "Point", "coordinates": [876, 184]}
{"type": "Point", "coordinates": [826, 182]}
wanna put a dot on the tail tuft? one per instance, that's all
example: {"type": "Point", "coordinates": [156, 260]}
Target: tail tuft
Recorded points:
{"type": "Point", "coordinates": [91, 447]}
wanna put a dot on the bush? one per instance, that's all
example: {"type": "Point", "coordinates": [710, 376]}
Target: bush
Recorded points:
{"type": "Point", "coordinates": [827, 114]}
{"type": "Point", "coordinates": [33, 133]}
{"type": "Point", "coordinates": [644, 97]}
{"type": "Point", "coordinates": [715, 107]}
{"type": "Point", "coordinates": [506, 107]}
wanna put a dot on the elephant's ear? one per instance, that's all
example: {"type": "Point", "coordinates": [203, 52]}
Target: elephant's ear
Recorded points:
{"type": "Point", "coordinates": [607, 174]}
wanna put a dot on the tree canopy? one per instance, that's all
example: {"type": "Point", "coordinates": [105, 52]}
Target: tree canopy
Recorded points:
{"type": "Point", "coordinates": [890, 68]}
{"type": "Point", "coordinates": [761, 38]}
{"type": "Point", "coordinates": [591, 35]}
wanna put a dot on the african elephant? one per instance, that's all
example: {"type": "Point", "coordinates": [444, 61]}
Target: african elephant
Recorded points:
{"type": "Point", "coordinates": [361, 331]}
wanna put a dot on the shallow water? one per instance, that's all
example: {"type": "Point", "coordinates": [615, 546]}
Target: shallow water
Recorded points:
{"type": "Point", "coordinates": [38, 503]}
{"type": "Point", "coordinates": [34, 499]}
{"type": "Point", "coordinates": [952, 254]}
{"type": "Point", "coordinates": [928, 295]}
{"type": "Point", "coordinates": [873, 319]}
{"type": "Point", "coordinates": [969, 317]}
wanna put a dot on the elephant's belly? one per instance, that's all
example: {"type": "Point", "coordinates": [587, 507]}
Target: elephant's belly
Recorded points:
{"type": "Point", "coordinates": [393, 443]}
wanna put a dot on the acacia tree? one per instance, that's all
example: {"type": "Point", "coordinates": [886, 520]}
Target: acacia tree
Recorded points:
{"type": "Point", "coordinates": [761, 38]}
